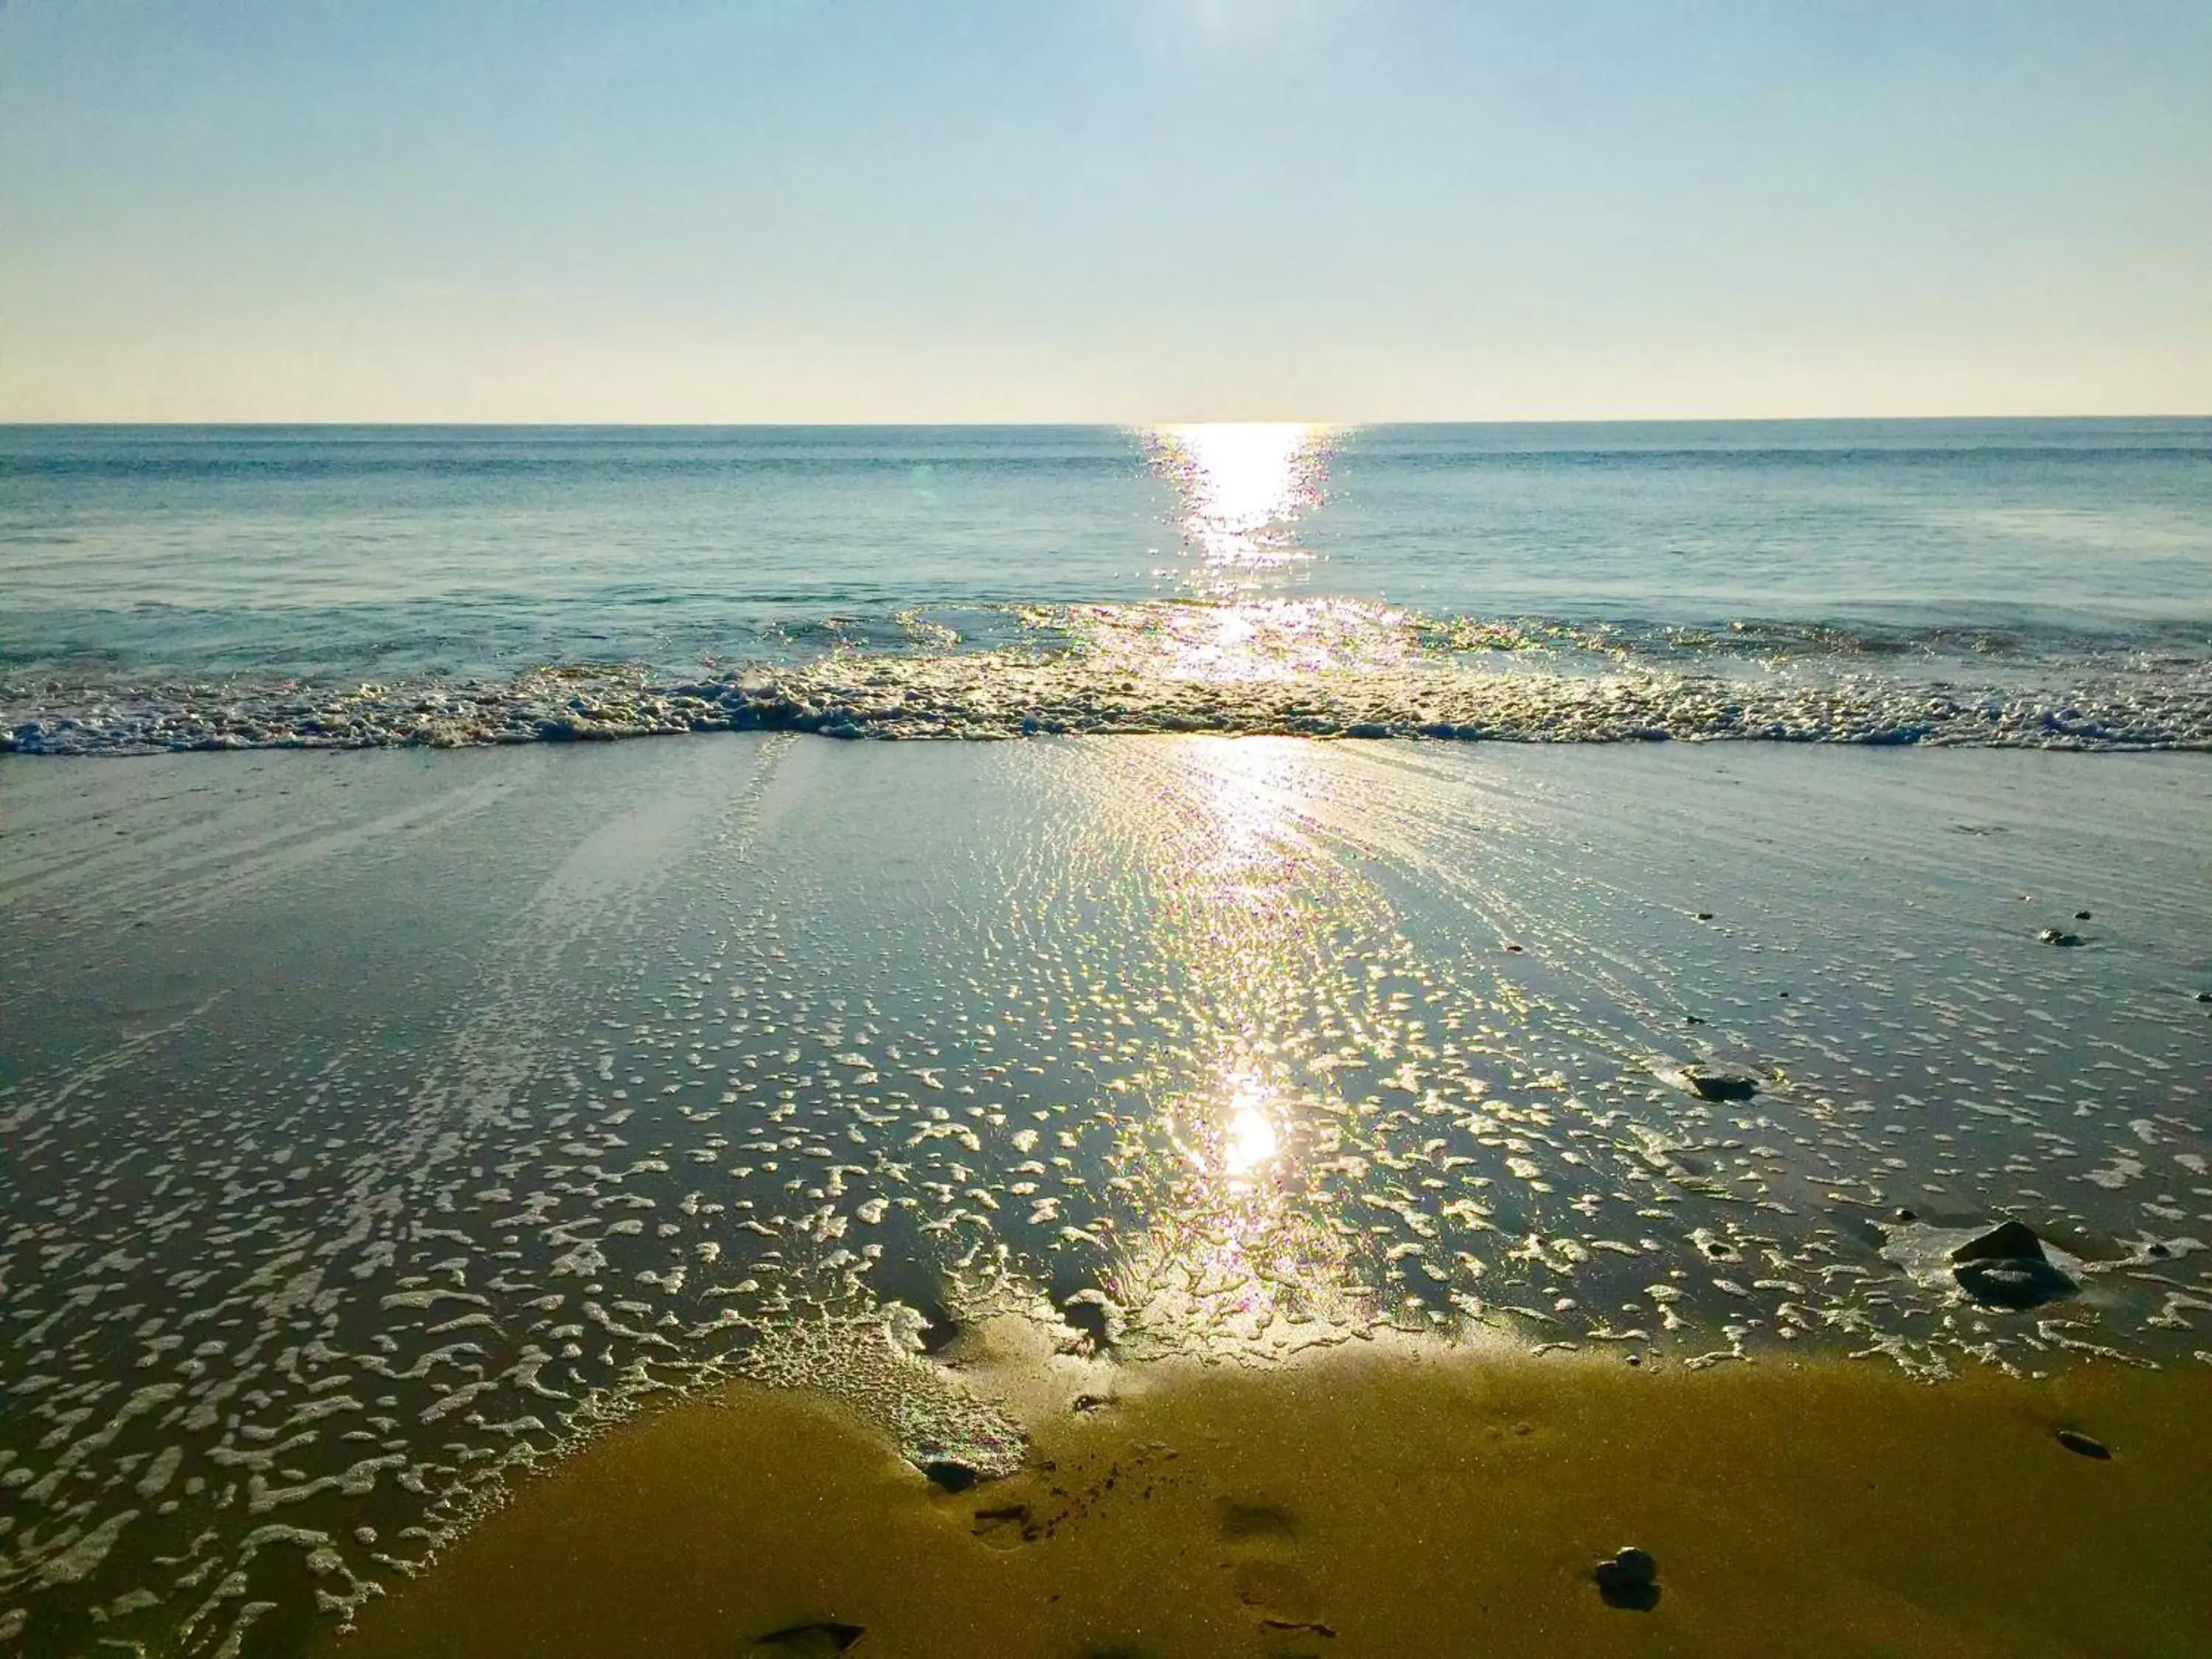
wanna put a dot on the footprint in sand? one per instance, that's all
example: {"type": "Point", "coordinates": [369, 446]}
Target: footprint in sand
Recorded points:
{"type": "Point", "coordinates": [1006, 1526]}
{"type": "Point", "coordinates": [1260, 1543]}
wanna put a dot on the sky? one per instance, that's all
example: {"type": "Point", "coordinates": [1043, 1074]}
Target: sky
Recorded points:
{"type": "Point", "coordinates": [1111, 210]}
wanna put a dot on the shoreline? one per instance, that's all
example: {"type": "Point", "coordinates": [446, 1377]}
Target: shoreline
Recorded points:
{"type": "Point", "coordinates": [978, 699]}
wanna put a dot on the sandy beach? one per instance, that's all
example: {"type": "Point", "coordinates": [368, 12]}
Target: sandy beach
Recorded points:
{"type": "Point", "coordinates": [737, 1127]}
{"type": "Point", "coordinates": [1204, 829]}
{"type": "Point", "coordinates": [1389, 1501]}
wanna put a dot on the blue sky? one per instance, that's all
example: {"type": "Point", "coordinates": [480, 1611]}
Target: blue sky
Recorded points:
{"type": "Point", "coordinates": [1345, 209]}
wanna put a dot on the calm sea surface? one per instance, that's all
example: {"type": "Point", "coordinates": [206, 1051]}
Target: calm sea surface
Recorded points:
{"type": "Point", "coordinates": [268, 561]}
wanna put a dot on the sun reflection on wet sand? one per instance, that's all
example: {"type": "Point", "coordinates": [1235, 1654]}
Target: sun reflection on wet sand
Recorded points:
{"type": "Point", "coordinates": [1249, 1144]}
{"type": "Point", "coordinates": [1236, 1253]}
{"type": "Point", "coordinates": [1234, 1241]}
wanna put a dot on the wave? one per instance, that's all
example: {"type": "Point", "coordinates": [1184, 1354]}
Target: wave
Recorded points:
{"type": "Point", "coordinates": [1314, 668]}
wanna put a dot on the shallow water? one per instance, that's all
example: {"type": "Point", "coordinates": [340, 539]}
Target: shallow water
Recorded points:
{"type": "Point", "coordinates": [378, 1122]}
{"type": "Point", "coordinates": [2038, 583]}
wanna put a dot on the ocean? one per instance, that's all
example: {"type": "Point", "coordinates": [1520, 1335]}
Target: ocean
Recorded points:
{"type": "Point", "coordinates": [2011, 582]}
{"type": "Point", "coordinates": [1338, 1073]}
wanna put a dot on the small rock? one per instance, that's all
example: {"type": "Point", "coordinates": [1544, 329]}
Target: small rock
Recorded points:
{"type": "Point", "coordinates": [2052, 936]}
{"type": "Point", "coordinates": [1705, 916]}
{"type": "Point", "coordinates": [2006, 1267]}
{"type": "Point", "coordinates": [2075, 1441]}
{"type": "Point", "coordinates": [1629, 1579]}
{"type": "Point", "coordinates": [2081, 915]}
{"type": "Point", "coordinates": [820, 1640]}
{"type": "Point", "coordinates": [2008, 1240]}
{"type": "Point", "coordinates": [1719, 1086]}
{"type": "Point", "coordinates": [2015, 1284]}
{"type": "Point", "coordinates": [1714, 1245]}
{"type": "Point", "coordinates": [2204, 996]}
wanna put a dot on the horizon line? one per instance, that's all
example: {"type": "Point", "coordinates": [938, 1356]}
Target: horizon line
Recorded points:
{"type": "Point", "coordinates": [1152, 422]}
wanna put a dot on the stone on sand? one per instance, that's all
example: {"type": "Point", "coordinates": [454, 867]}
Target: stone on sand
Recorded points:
{"type": "Point", "coordinates": [1628, 1579]}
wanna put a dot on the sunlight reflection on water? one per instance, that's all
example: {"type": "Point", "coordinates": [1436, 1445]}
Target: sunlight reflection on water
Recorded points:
{"type": "Point", "coordinates": [1243, 488]}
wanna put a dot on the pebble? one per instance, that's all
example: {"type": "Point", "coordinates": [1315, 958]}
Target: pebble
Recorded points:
{"type": "Point", "coordinates": [1628, 1579]}
{"type": "Point", "coordinates": [820, 1640]}
{"type": "Point", "coordinates": [2008, 1240]}
{"type": "Point", "coordinates": [2006, 1267]}
{"type": "Point", "coordinates": [2054, 936]}
{"type": "Point", "coordinates": [2075, 1441]}
{"type": "Point", "coordinates": [1720, 1085]}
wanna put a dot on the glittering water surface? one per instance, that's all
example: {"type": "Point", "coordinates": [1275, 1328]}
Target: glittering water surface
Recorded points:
{"type": "Point", "coordinates": [2037, 583]}
{"type": "Point", "coordinates": [376, 1122]}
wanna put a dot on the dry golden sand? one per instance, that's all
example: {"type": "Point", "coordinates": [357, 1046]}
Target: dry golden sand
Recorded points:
{"type": "Point", "coordinates": [1378, 1503]}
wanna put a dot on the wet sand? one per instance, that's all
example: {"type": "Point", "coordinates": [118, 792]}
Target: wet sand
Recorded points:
{"type": "Point", "coordinates": [1376, 1503]}
{"type": "Point", "coordinates": [380, 1127]}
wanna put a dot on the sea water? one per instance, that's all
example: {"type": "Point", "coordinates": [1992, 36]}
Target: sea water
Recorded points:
{"type": "Point", "coordinates": [1982, 581]}
{"type": "Point", "coordinates": [380, 1126]}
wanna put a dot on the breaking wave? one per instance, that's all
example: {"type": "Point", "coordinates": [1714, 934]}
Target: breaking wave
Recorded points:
{"type": "Point", "coordinates": [1325, 668]}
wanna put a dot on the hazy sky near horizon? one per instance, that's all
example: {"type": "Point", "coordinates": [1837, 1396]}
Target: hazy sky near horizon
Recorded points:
{"type": "Point", "coordinates": [1102, 209]}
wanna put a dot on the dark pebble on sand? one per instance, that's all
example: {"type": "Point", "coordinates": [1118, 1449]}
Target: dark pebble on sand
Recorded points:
{"type": "Point", "coordinates": [2075, 1441]}
{"type": "Point", "coordinates": [2008, 1241]}
{"type": "Point", "coordinates": [1630, 1579]}
{"type": "Point", "coordinates": [1705, 916]}
{"type": "Point", "coordinates": [2081, 915]}
{"type": "Point", "coordinates": [816, 1641]}
{"type": "Point", "coordinates": [1721, 1086]}
{"type": "Point", "coordinates": [2053, 936]}
{"type": "Point", "coordinates": [2204, 996]}
{"type": "Point", "coordinates": [2006, 1267]}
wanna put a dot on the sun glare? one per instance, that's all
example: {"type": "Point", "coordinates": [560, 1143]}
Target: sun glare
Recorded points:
{"type": "Point", "coordinates": [1245, 486]}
